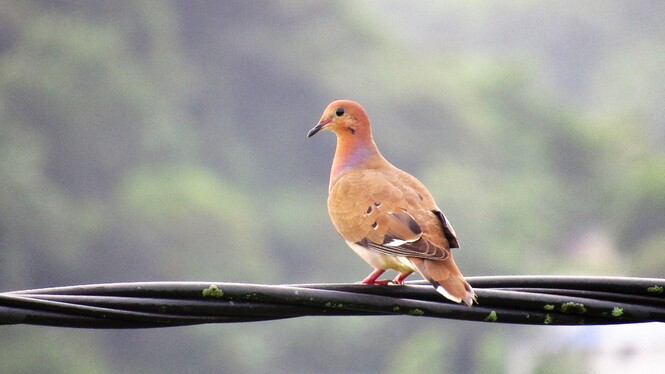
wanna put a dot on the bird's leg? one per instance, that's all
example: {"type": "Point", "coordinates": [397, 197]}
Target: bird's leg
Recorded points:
{"type": "Point", "coordinates": [399, 279]}
{"type": "Point", "coordinates": [371, 278]}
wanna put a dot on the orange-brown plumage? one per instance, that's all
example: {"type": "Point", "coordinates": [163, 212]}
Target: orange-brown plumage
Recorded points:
{"type": "Point", "coordinates": [386, 215]}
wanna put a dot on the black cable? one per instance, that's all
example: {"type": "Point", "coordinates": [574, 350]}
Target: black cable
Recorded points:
{"type": "Point", "coordinates": [537, 300]}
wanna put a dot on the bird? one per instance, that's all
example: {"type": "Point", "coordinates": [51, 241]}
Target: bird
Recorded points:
{"type": "Point", "coordinates": [387, 216]}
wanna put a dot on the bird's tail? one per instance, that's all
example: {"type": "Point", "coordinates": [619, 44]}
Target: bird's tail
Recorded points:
{"type": "Point", "coordinates": [446, 279]}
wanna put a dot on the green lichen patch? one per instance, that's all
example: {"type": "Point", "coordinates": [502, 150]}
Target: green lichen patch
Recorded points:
{"type": "Point", "coordinates": [617, 312]}
{"type": "Point", "coordinates": [655, 289]}
{"type": "Point", "coordinates": [416, 312]}
{"type": "Point", "coordinates": [212, 291]}
{"type": "Point", "coordinates": [333, 305]}
{"type": "Point", "coordinates": [252, 296]}
{"type": "Point", "coordinates": [548, 319]}
{"type": "Point", "coordinates": [492, 317]}
{"type": "Point", "coordinates": [396, 309]}
{"type": "Point", "coordinates": [573, 308]}
{"type": "Point", "coordinates": [548, 307]}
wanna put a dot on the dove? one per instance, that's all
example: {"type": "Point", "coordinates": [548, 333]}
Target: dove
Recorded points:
{"type": "Point", "coordinates": [384, 214]}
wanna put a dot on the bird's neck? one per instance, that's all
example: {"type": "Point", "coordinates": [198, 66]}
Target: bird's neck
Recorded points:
{"type": "Point", "coordinates": [353, 152]}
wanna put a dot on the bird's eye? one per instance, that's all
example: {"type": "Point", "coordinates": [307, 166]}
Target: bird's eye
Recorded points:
{"type": "Point", "coordinates": [339, 112]}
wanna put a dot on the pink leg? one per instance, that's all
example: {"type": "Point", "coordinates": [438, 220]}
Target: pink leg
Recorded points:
{"type": "Point", "coordinates": [401, 277]}
{"type": "Point", "coordinates": [371, 278]}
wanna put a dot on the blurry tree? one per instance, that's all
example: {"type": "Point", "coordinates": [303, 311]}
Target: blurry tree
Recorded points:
{"type": "Point", "coordinates": [166, 141]}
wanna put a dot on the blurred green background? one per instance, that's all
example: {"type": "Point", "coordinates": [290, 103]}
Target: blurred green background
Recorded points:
{"type": "Point", "coordinates": [165, 140]}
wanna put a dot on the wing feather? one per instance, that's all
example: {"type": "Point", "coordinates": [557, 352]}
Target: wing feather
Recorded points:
{"type": "Point", "coordinates": [383, 217]}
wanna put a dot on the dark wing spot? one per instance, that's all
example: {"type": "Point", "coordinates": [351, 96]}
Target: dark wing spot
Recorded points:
{"type": "Point", "coordinates": [377, 204]}
{"type": "Point", "coordinates": [414, 227]}
{"type": "Point", "coordinates": [374, 225]}
{"type": "Point", "coordinates": [408, 219]}
{"type": "Point", "coordinates": [421, 197]}
{"type": "Point", "coordinates": [369, 209]}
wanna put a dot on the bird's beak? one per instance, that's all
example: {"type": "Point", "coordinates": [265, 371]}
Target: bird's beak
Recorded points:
{"type": "Point", "coordinates": [318, 127]}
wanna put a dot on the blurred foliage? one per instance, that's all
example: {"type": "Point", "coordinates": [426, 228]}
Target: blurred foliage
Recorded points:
{"type": "Point", "coordinates": [166, 141]}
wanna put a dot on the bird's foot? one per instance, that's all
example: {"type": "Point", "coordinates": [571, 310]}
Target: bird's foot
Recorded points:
{"type": "Point", "coordinates": [382, 282]}
{"type": "Point", "coordinates": [399, 279]}
{"type": "Point", "coordinates": [373, 276]}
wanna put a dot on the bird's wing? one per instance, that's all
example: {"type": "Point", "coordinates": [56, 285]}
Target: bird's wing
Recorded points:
{"type": "Point", "coordinates": [373, 211]}
{"type": "Point", "coordinates": [448, 230]}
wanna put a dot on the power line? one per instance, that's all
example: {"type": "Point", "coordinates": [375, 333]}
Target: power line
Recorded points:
{"type": "Point", "coordinates": [535, 300]}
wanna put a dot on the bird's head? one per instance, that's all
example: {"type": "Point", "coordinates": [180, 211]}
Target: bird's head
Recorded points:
{"type": "Point", "coordinates": [345, 118]}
